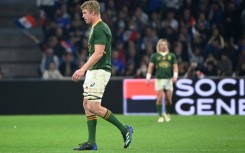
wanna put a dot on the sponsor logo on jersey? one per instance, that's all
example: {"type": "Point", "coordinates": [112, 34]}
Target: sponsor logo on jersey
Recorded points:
{"type": "Point", "coordinates": [164, 64]}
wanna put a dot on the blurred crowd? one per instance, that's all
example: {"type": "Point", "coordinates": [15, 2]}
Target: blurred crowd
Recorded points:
{"type": "Point", "coordinates": [207, 36]}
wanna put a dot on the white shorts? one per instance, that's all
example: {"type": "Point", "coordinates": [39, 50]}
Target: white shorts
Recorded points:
{"type": "Point", "coordinates": [164, 84]}
{"type": "Point", "coordinates": [94, 84]}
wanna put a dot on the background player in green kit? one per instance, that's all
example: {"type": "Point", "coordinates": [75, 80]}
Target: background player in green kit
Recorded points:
{"type": "Point", "coordinates": [98, 72]}
{"type": "Point", "coordinates": [166, 72]}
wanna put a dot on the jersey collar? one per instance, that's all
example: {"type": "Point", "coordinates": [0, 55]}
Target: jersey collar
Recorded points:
{"type": "Point", "coordinates": [165, 52]}
{"type": "Point", "coordinates": [96, 23]}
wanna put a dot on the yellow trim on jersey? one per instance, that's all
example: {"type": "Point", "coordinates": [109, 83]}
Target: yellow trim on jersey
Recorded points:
{"type": "Point", "coordinates": [96, 23]}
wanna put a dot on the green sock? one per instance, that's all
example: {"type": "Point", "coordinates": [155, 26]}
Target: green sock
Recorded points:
{"type": "Point", "coordinates": [91, 123]}
{"type": "Point", "coordinates": [110, 117]}
{"type": "Point", "coordinates": [159, 109]}
{"type": "Point", "coordinates": [167, 108]}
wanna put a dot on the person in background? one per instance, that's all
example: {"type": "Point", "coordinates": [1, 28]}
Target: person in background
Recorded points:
{"type": "Point", "coordinates": [194, 71]}
{"type": "Point", "coordinates": [117, 64]}
{"type": "Point", "coordinates": [224, 66]}
{"type": "Point", "coordinates": [1, 73]}
{"type": "Point", "coordinates": [68, 66]}
{"type": "Point", "coordinates": [47, 58]}
{"type": "Point", "coordinates": [166, 73]}
{"type": "Point", "coordinates": [98, 72]}
{"type": "Point", "coordinates": [52, 72]}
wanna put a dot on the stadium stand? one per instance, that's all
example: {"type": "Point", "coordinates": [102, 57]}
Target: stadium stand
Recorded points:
{"type": "Point", "coordinates": [196, 30]}
{"type": "Point", "coordinates": [19, 56]}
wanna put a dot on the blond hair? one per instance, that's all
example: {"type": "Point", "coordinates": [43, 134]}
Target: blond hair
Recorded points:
{"type": "Point", "coordinates": [159, 41]}
{"type": "Point", "coordinates": [91, 6]}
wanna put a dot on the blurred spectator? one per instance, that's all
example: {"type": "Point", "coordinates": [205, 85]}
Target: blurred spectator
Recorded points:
{"type": "Point", "coordinates": [210, 69]}
{"type": "Point", "coordinates": [132, 56]}
{"type": "Point", "coordinates": [179, 52]}
{"type": "Point", "coordinates": [141, 71]}
{"type": "Point", "coordinates": [119, 25]}
{"type": "Point", "coordinates": [231, 50]}
{"type": "Point", "coordinates": [131, 34]}
{"type": "Point", "coordinates": [195, 55]}
{"type": "Point", "coordinates": [52, 72]}
{"type": "Point", "coordinates": [47, 58]}
{"type": "Point", "coordinates": [172, 4]}
{"type": "Point", "coordinates": [47, 11]}
{"type": "Point", "coordinates": [62, 18]}
{"type": "Point", "coordinates": [1, 72]}
{"type": "Point", "coordinates": [193, 71]}
{"type": "Point", "coordinates": [147, 49]}
{"type": "Point", "coordinates": [68, 66]}
{"type": "Point", "coordinates": [155, 21]}
{"type": "Point", "coordinates": [210, 59]}
{"type": "Point", "coordinates": [154, 5]}
{"type": "Point", "coordinates": [120, 49]}
{"type": "Point", "coordinates": [130, 69]}
{"type": "Point", "coordinates": [215, 44]}
{"type": "Point", "coordinates": [117, 64]}
{"type": "Point", "coordinates": [241, 70]}
{"type": "Point", "coordinates": [216, 12]}
{"type": "Point", "coordinates": [170, 34]}
{"type": "Point", "coordinates": [241, 60]}
{"type": "Point", "coordinates": [224, 66]}
{"type": "Point", "coordinates": [231, 21]}
{"type": "Point", "coordinates": [182, 67]}
{"type": "Point", "coordinates": [198, 40]}
{"type": "Point", "coordinates": [82, 58]}
{"type": "Point", "coordinates": [203, 26]}
{"type": "Point", "coordinates": [150, 36]}
{"type": "Point", "coordinates": [216, 35]}
{"type": "Point", "coordinates": [58, 49]}
{"type": "Point", "coordinates": [171, 21]}
{"type": "Point", "coordinates": [140, 18]}
{"type": "Point", "coordinates": [209, 26]}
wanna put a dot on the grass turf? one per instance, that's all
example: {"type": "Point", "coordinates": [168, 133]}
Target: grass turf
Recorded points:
{"type": "Point", "coordinates": [60, 133]}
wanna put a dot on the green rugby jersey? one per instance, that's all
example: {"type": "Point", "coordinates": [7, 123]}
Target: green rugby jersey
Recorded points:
{"type": "Point", "coordinates": [101, 34]}
{"type": "Point", "coordinates": [163, 65]}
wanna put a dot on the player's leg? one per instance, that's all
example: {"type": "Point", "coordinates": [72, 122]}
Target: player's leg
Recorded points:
{"type": "Point", "coordinates": [91, 122]}
{"type": "Point", "coordinates": [90, 144]}
{"type": "Point", "coordinates": [159, 105]}
{"type": "Point", "coordinates": [106, 114]}
{"type": "Point", "coordinates": [168, 98]}
{"type": "Point", "coordinates": [168, 104]}
{"type": "Point", "coordinates": [159, 89]}
{"type": "Point", "coordinates": [101, 78]}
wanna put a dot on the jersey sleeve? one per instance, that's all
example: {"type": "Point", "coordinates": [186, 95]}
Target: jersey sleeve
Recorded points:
{"type": "Point", "coordinates": [100, 37]}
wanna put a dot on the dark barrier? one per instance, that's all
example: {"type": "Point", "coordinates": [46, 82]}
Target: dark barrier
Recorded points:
{"type": "Point", "coordinates": [201, 97]}
{"type": "Point", "coordinates": [52, 97]}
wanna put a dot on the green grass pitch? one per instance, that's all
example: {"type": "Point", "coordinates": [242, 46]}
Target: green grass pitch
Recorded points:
{"type": "Point", "coordinates": [60, 133]}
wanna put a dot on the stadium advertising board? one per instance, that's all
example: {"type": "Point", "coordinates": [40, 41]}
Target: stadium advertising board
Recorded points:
{"type": "Point", "coordinates": [201, 97]}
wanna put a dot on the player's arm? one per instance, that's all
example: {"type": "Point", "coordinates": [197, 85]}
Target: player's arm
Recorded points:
{"type": "Point", "coordinates": [98, 53]}
{"type": "Point", "coordinates": [149, 72]}
{"type": "Point", "coordinates": [176, 72]}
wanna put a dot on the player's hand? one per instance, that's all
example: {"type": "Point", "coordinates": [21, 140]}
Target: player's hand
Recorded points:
{"type": "Point", "coordinates": [78, 74]}
{"type": "Point", "coordinates": [147, 82]}
{"type": "Point", "coordinates": [174, 79]}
